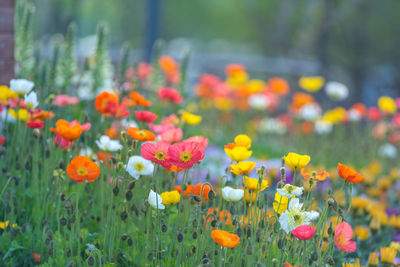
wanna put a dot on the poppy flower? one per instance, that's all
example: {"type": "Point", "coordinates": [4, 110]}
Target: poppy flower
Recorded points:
{"type": "Point", "coordinates": [296, 161]}
{"type": "Point", "coordinates": [144, 71]}
{"type": "Point", "coordinates": [145, 116]}
{"type": "Point", "coordinates": [237, 153]}
{"type": "Point", "coordinates": [253, 183]}
{"type": "Point", "coordinates": [279, 86]}
{"type": "Point", "coordinates": [243, 140]}
{"type": "Point", "coordinates": [70, 131]}
{"type": "Point", "coordinates": [185, 155]}
{"type": "Point", "coordinates": [290, 265]}
{"type": "Point", "coordinates": [225, 239]}
{"type": "Point", "coordinates": [387, 105]}
{"type": "Point", "coordinates": [140, 135]}
{"type": "Point", "coordinates": [199, 139]}
{"type": "Point", "coordinates": [170, 94]}
{"type": "Point", "coordinates": [197, 190]}
{"type": "Point", "coordinates": [224, 215]}
{"type": "Point", "coordinates": [311, 84]}
{"type": "Point", "coordinates": [170, 69]}
{"type": "Point", "coordinates": [188, 191]}
{"type": "Point", "coordinates": [374, 114]}
{"type": "Point", "coordinates": [171, 197]}
{"type": "Point", "coordinates": [190, 118]}
{"type": "Point", "coordinates": [65, 100]}
{"type": "Point", "coordinates": [35, 124]}
{"type": "Point", "coordinates": [348, 174]}
{"type": "Point", "coordinates": [304, 232]}
{"type": "Point", "coordinates": [173, 135]}
{"type": "Point", "coordinates": [243, 167]}
{"type": "Point", "coordinates": [320, 176]}
{"type": "Point", "coordinates": [82, 168]}
{"type": "Point", "coordinates": [156, 152]}
{"type": "Point", "coordinates": [106, 103]}
{"type": "Point", "coordinates": [2, 140]}
{"type": "Point", "coordinates": [343, 234]}
{"type": "Point", "coordinates": [138, 99]}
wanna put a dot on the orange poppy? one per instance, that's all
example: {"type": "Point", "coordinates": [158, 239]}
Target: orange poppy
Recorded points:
{"type": "Point", "coordinates": [168, 64]}
{"type": "Point", "coordinates": [140, 135]}
{"type": "Point", "coordinates": [82, 168]}
{"type": "Point", "coordinates": [224, 215]}
{"type": "Point", "coordinates": [41, 115]}
{"type": "Point", "coordinates": [299, 100]}
{"type": "Point", "coordinates": [289, 265]}
{"type": "Point", "coordinates": [206, 190]}
{"type": "Point", "coordinates": [230, 146]}
{"type": "Point", "coordinates": [348, 174]}
{"type": "Point", "coordinates": [138, 99]}
{"type": "Point", "coordinates": [174, 168]}
{"type": "Point", "coordinates": [225, 239]}
{"type": "Point", "coordinates": [106, 103]}
{"type": "Point", "coordinates": [112, 133]}
{"type": "Point", "coordinates": [307, 127]}
{"type": "Point", "coordinates": [320, 176]}
{"type": "Point", "coordinates": [188, 191]}
{"type": "Point", "coordinates": [68, 131]}
{"type": "Point", "coordinates": [278, 86]}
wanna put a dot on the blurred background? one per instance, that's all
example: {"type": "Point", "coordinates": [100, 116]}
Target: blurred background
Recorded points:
{"type": "Point", "coordinates": [355, 42]}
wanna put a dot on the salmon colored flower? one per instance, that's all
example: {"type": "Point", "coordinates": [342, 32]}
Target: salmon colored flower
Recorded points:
{"type": "Point", "coordinates": [144, 70]}
{"type": "Point", "coordinates": [343, 234]}
{"type": "Point", "coordinates": [279, 86]}
{"type": "Point", "coordinates": [139, 100]}
{"type": "Point", "coordinates": [243, 167]}
{"type": "Point", "coordinates": [296, 161]}
{"type": "Point", "coordinates": [185, 155]}
{"type": "Point", "coordinates": [238, 153]}
{"type": "Point", "coordinates": [70, 131]}
{"type": "Point", "coordinates": [157, 152]}
{"type": "Point", "coordinates": [199, 139]}
{"type": "Point", "coordinates": [145, 116]}
{"type": "Point", "coordinates": [225, 239]}
{"type": "Point", "coordinates": [348, 174]}
{"type": "Point", "coordinates": [140, 135]}
{"type": "Point", "coordinates": [65, 100]}
{"type": "Point", "coordinates": [170, 94]}
{"type": "Point", "coordinates": [304, 232]}
{"type": "Point", "coordinates": [188, 191]}
{"type": "Point", "coordinates": [173, 135]}
{"type": "Point", "coordinates": [197, 190]}
{"type": "Point", "coordinates": [82, 168]}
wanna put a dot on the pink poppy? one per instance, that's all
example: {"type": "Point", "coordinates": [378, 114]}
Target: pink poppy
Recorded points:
{"type": "Point", "coordinates": [85, 126]}
{"type": "Point", "coordinates": [170, 94]}
{"type": "Point", "coordinates": [171, 119]}
{"type": "Point", "coordinates": [396, 120]}
{"type": "Point", "coordinates": [199, 139]}
{"type": "Point", "coordinates": [185, 155]}
{"type": "Point", "coordinates": [156, 152]}
{"type": "Point", "coordinates": [304, 232]}
{"type": "Point", "coordinates": [2, 140]}
{"type": "Point", "coordinates": [144, 71]}
{"type": "Point", "coordinates": [65, 100]}
{"type": "Point", "coordinates": [343, 234]}
{"type": "Point", "coordinates": [374, 114]}
{"type": "Point", "coordinates": [62, 143]}
{"type": "Point", "coordinates": [173, 135]}
{"type": "Point", "coordinates": [160, 128]}
{"type": "Point", "coordinates": [35, 124]}
{"type": "Point", "coordinates": [145, 116]}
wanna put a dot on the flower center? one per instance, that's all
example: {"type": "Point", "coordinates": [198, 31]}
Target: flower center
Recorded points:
{"type": "Point", "coordinates": [290, 189]}
{"type": "Point", "coordinates": [139, 167]}
{"type": "Point", "coordinates": [185, 156]}
{"type": "Point", "coordinates": [82, 171]}
{"type": "Point", "coordinates": [141, 133]}
{"type": "Point", "coordinates": [160, 155]}
{"type": "Point", "coordinates": [341, 240]}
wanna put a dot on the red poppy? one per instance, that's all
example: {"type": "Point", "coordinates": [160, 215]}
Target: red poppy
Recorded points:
{"type": "Point", "coordinates": [145, 116]}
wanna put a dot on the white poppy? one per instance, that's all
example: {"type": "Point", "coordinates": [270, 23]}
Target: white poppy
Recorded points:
{"type": "Point", "coordinates": [31, 100]}
{"type": "Point", "coordinates": [155, 200]}
{"type": "Point", "coordinates": [336, 90]}
{"type": "Point", "coordinates": [388, 151]}
{"type": "Point", "coordinates": [139, 166]}
{"type": "Point", "coordinates": [106, 144]}
{"type": "Point", "coordinates": [21, 86]}
{"type": "Point", "coordinates": [289, 190]}
{"type": "Point", "coordinates": [87, 152]}
{"type": "Point", "coordinates": [323, 127]}
{"type": "Point", "coordinates": [295, 216]}
{"type": "Point", "coordinates": [310, 111]}
{"type": "Point", "coordinates": [258, 101]}
{"type": "Point", "coordinates": [230, 194]}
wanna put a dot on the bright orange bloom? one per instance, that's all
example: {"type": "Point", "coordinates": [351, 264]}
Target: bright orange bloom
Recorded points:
{"type": "Point", "coordinates": [348, 174]}
{"type": "Point", "coordinates": [279, 86]}
{"type": "Point", "coordinates": [82, 168]}
{"type": "Point", "coordinates": [188, 191]}
{"type": "Point", "coordinates": [225, 239]}
{"type": "Point", "coordinates": [69, 131]}
{"type": "Point", "coordinates": [320, 176]}
{"type": "Point", "coordinates": [230, 146]}
{"type": "Point", "coordinates": [112, 133]}
{"type": "Point", "coordinates": [174, 168]}
{"type": "Point", "coordinates": [140, 135]}
{"type": "Point", "coordinates": [299, 100]}
{"type": "Point", "coordinates": [206, 190]}
{"type": "Point", "coordinates": [106, 103]}
{"type": "Point", "coordinates": [168, 64]}
{"type": "Point", "coordinates": [224, 215]}
{"type": "Point", "coordinates": [138, 99]}
{"type": "Point", "coordinates": [289, 265]}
